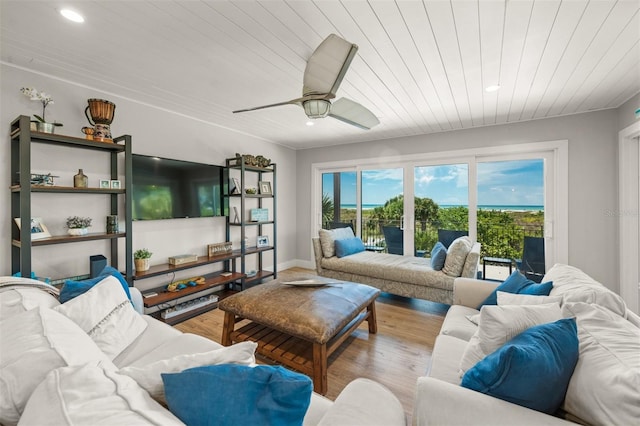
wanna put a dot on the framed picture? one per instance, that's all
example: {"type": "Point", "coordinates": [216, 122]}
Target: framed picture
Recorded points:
{"type": "Point", "coordinates": [262, 241]}
{"type": "Point", "coordinates": [236, 186]}
{"type": "Point", "coordinates": [265, 187]}
{"type": "Point", "coordinates": [37, 226]}
{"type": "Point", "coordinates": [105, 184]}
{"type": "Point", "coordinates": [259, 215]}
{"type": "Point", "coordinates": [236, 216]}
{"type": "Point", "coordinates": [115, 184]}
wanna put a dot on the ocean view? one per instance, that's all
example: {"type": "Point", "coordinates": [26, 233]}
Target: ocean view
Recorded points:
{"type": "Point", "coordinates": [512, 208]}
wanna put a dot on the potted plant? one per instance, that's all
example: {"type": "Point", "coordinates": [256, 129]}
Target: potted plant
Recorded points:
{"type": "Point", "coordinates": [78, 225]}
{"type": "Point", "coordinates": [41, 124]}
{"type": "Point", "coordinates": [141, 259]}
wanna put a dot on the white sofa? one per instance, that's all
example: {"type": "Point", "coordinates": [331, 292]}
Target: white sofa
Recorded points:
{"type": "Point", "coordinates": [78, 384]}
{"type": "Point", "coordinates": [604, 387]}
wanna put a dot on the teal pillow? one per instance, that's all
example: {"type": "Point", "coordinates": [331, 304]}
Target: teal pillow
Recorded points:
{"type": "Point", "coordinates": [348, 246]}
{"type": "Point", "coordinates": [519, 284]}
{"type": "Point", "coordinates": [230, 394]}
{"type": "Point", "coordinates": [72, 288]}
{"type": "Point", "coordinates": [438, 256]}
{"type": "Point", "coordinates": [532, 370]}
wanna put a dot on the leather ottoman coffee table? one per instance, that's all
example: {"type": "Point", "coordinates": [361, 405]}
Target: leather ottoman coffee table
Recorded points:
{"type": "Point", "coordinates": [299, 326]}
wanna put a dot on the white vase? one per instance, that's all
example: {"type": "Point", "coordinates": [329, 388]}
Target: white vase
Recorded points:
{"type": "Point", "coordinates": [78, 231]}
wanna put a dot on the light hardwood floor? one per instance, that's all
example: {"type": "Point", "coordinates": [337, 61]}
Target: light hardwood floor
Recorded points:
{"type": "Point", "coordinates": [396, 356]}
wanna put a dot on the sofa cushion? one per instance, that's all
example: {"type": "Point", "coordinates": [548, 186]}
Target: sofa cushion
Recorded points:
{"type": "Point", "coordinates": [533, 369]}
{"type": "Point", "coordinates": [505, 298]}
{"type": "Point", "coordinates": [456, 256]}
{"type": "Point", "coordinates": [498, 324]}
{"type": "Point", "coordinates": [105, 313]}
{"type": "Point", "coordinates": [149, 376]}
{"type": "Point", "coordinates": [20, 299]}
{"type": "Point", "coordinates": [457, 324]}
{"type": "Point", "coordinates": [347, 246]}
{"type": "Point", "coordinates": [72, 288]}
{"type": "Point", "coordinates": [438, 256]}
{"type": "Point", "coordinates": [89, 395]}
{"type": "Point", "coordinates": [576, 286]}
{"type": "Point", "coordinates": [605, 386]}
{"type": "Point", "coordinates": [34, 343]}
{"type": "Point", "coordinates": [262, 395]}
{"type": "Point", "coordinates": [519, 284]}
{"type": "Point", "coordinates": [470, 268]}
{"type": "Point", "coordinates": [445, 359]}
{"type": "Point", "coordinates": [329, 236]}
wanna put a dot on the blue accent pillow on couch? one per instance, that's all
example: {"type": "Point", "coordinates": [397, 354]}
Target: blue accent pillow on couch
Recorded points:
{"type": "Point", "coordinates": [72, 289]}
{"type": "Point", "coordinates": [348, 246]}
{"type": "Point", "coordinates": [532, 370]}
{"type": "Point", "coordinates": [230, 394]}
{"type": "Point", "coordinates": [519, 284]}
{"type": "Point", "coordinates": [438, 256]}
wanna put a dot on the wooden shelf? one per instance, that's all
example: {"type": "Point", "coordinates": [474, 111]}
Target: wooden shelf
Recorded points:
{"type": "Point", "coordinates": [259, 276]}
{"type": "Point", "coordinates": [68, 189]}
{"type": "Point", "coordinates": [166, 267]}
{"type": "Point", "coordinates": [165, 296]}
{"type": "Point", "coordinates": [187, 315]}
{"type": "Point", "coordinates": [266, 222]}
{"type": "Point", "coordinates": [52, 138]}
{"type": "Point", "coordinates": [62, 239]}
{"type": "Point", "coordinates": [250, 195]}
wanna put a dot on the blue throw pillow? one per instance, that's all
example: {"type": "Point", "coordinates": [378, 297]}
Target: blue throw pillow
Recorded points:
{"type": "Point", "coordinates": [261, 395]}
{"type": "Point", "coordinates": [532, 370]}
{"type": "Point", "coordinates": [519, 284]}
{"type": "Point", "coordinates": [438, 256]}
{"type": "Point", "coordinates": [72, 289]}
{"type": "Point", "coordinates": [348, 246]}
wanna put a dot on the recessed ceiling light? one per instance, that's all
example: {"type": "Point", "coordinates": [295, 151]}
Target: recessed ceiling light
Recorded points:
{"type": "Point", "coordinates": [72, 15]}
{"type": "Point", "coordinates": [310, 123]}
{"type": "Point", "coordinates": [493, 88]}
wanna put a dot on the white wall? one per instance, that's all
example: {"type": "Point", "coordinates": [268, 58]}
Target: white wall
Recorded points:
{"type": "Point", "coordinates": [626, 112]}
{"type": "Point", "coordinates": [592, 139]}
{"type": "Point", "coordinates": [154, 132]}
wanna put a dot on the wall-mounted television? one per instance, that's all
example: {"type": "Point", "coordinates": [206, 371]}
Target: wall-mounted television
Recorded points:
{"type": "Point", "coordinates": [167, 189]}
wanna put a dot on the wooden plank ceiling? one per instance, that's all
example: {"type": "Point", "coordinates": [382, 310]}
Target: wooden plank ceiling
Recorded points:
{"type": "Point", "coordinates": [422, 66]}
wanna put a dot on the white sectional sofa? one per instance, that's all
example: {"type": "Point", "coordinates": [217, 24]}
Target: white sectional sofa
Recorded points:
{"type": "Point", "coordinates": [604, 388]}
{"type": "Point", "coordinates": [54, 372]}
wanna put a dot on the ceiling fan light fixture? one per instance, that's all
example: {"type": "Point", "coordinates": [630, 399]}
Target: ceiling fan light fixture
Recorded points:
{"type": "Point", "coordinates": [72, 15]}
{"type": "Point", "coordinates": [316, 108]}
{"type": "Point", "coordinates": [493, 88]}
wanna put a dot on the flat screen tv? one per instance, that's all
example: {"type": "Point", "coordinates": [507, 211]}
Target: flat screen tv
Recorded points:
{"type": "Point", "coordinates": [169, 189]}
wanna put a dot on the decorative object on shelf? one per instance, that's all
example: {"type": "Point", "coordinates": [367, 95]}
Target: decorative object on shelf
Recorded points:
{"type": "Point", "coordinates": [217, 249]}
{"type": "Point", "coordinates": [80, 180]}
{"type": "Point", "coordinates": [105, 183]}
{"type": "Point", "coordinates": [262, 241]}
{"type": "Point", "coordinates": [251, 191]}
{"type": "Point", "coordinates": [141, 259]}
{"type": "Point", "coordinates": [236, 186]}
{"type": "Point", "coordinates": [78, 225]}
{"type": "Point", "coordinates": [250, 160]}
{"type": "Point", "coordinates": [38, 229]}
{"type": "Point", "coordinates": [116, 184]}
{"type": "Point", "coordinates": [41, 124]}
{"type": "Point", "coordinates": [236, 216]}
{"type": "Point", "coordinates": [259, 215]}
{"type": "Point", "coordinates": [265, 187]}
{"type": "Point", "coordinates": [41, 179]}
{"type": "Point", "coordinates": [181, 259]}
{"type": "Point", "coordinates": [88, 132]}
{"type": "Point", "coordinates": [112, 224]}
{"type": "Point", "coordinates": [102, 112]}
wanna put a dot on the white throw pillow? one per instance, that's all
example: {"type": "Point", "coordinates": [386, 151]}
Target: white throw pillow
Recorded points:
{"type": "Point", "coordinates": [575, 286]}
{"type": "Point", "coordinates": [505, 298]}
{"type": "Point", "coordinates": [499, 324]}
{"type": "Point", "coordinates": [605, 385]}
{"type": "Point", "coordinates": [20, 299]}
{"type": "Point", "coordinates": [34, 343]}
{"type": "Point", "coordinates": [328, 239]}
{"type": "Point", "coordinates": [149, 377]}
{"type": "Point", "coordinates": [457, 256]}
{"type": "Point", "coordinates": [89, 395]}
{"type": "Point", "coordinates": [105, 313]}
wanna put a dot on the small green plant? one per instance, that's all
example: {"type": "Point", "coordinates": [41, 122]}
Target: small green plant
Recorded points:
{"type": "Point", "coordinates": [142, 254]}
{"type": "Point", "coordinates": [45, 99]}
{"type": "Point", "coordinates": [77, 222]}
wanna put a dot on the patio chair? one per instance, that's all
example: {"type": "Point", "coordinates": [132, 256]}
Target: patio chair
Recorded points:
{"type": "Point", "coordinates": [532, 263]}
{"type": "Point", "coordinates": [446, 236]}
{"type": "Point", "coordinates": [335, 225]}
{"type": "Point", "coordinates": [393, 236]}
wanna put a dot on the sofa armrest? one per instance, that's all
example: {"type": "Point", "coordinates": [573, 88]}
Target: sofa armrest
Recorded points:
{"type": "Point", "coordinates": [365, 402]}
{"type": "Point", "coordinates": [441, 403]}
{"type": "Point", "coordinates": [317, 252]}
{"type": "Point", "coordinates": [471, 292]}
{"type": "Point", "coordinates": [136, 300]}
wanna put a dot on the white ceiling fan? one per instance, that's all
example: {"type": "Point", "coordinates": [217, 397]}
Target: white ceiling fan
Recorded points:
{"type": "Point", "coordinates": [322, 76]}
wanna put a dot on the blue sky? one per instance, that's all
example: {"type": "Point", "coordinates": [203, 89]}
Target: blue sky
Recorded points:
{"type": "Point", "coordinates": [499, 183]}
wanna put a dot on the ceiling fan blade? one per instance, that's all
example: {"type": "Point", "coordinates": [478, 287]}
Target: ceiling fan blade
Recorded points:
{"type": "Point", "coordinates": [293, 101]}
{"type": "Point", "coordinates": [353, 113]}
{"type": "Point", "coordinates": [327, 66]}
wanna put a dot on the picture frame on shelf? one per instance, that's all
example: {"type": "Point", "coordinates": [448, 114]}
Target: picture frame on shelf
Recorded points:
{"type": "Point", "coordinates": [105, 184]}
{"type": "Point", "coordinates": [38, 228]}
{"type": "Point", "coordinates": [236, 186]}
{"type": "Point", "coordinates": [265, 187]}
{"type": "Point", "coordinates": [236, 216]}
{"type": "Point", "coordinates": [259, 215]}
{"type": "Point", "coordinates": [262, 241]}
{"type": "Point", "coordinates": [116, 184]}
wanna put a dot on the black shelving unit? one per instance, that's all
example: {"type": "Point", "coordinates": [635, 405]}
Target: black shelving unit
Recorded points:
{"type": "Point", "coordinates": [22, 141]}
{"type": "Point", "coordinates": [245, 201]}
